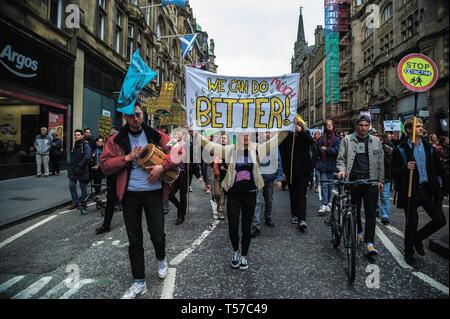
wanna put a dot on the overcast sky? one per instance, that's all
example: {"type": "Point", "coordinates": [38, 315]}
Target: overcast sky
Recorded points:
{"type": "Point", "coordinates": [255, 37]}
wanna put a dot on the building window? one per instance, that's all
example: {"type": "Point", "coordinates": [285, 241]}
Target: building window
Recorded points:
{"type": "Point", "coordinates": [55, 12]}
{"type": "Point", "coordinates": [409, 26]}
{"type": "Point", "coordinates": [147, 53]}
{"type": "Point", "coordinates": [135, 2]}
{"type": "Point", "coordinates": [158, 31]}
{"type": "Point", "coordinates": [148, 13]}
{"type": "Point", "coordinates": [101, 19]}
{"type": "Point", "coordinates": [139, 44]}
{"type": "Point", "coordinates": [368, 56]}
{"type": "Point", "coordinates": [368, 33]}
{"type": "Point", "coordinates": [359, 2]}
{"type": "Point", "coordinates": [130, 42]}
{"type": "Point", "coordinates": [118, 36]}
{"type": "Point", "coordinates": [387, 13]}
{"type": "Point", "coordinates": [387, 42]}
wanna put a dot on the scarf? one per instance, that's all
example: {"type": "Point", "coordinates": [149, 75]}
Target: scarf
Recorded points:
{"type": "Point", "coordinates": [327, 141]}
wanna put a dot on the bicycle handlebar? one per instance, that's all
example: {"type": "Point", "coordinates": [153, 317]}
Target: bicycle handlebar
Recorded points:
{"type": "Point", "coordinates": [347, 182]}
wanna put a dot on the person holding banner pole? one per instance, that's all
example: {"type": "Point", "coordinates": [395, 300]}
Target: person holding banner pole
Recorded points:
{"type": "Point", "coordinates": [241, 183]}
{"type": "Point", "coordinates": [419, 167]}
{"type": "Point", "coordinates": [297, 166]}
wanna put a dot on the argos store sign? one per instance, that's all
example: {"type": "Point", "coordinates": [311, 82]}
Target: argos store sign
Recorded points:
{"type": "Point", "coordinates": [17, 63]}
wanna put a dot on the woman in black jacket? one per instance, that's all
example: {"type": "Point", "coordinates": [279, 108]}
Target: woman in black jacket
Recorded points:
{"type": "Point", "coordinates": [78, 169]}
{"type": "Point", "coordinates": [55, 153]}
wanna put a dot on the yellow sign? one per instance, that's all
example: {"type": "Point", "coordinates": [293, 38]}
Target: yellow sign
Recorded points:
{"type": "Point", "coordinates": [165, 99]}
{"type": "Point", "coordinates": [177, 116]}
{"type": "Point", "coordinates": [417, 72]}
{"type": "Point", "coordinates": [104, 126]}
{"type": "Point", "coordinates": [150, 105]}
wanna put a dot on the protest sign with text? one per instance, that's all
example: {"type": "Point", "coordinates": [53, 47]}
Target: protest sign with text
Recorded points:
{"type": "Point", "coordinates": [240, 104]}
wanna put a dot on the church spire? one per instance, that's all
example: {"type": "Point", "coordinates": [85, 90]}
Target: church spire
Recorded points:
{"type": "Point", "coordinates": [301, 29]}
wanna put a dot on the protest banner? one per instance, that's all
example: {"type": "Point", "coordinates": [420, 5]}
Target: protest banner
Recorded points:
{"type": "Point", "coordinates": [240, 104]}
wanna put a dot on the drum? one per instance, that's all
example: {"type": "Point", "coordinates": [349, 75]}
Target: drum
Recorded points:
{"type": "Point", "coordinates": [150, 155]}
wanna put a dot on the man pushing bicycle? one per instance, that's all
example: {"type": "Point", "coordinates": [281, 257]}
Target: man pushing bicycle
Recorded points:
{"type": "Point", "coordinates": [361, 157]}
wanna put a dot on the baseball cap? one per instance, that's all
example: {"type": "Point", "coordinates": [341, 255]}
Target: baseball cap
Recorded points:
{"type": "Point", "coordinates": [363, 118]}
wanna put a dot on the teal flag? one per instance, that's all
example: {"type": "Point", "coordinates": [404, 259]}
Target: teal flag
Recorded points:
{"type": "Point", "coordinates": [138, 75]}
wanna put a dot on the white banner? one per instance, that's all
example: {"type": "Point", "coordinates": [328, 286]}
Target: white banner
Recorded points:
{"type": "Point", "coordinates": [240, 104]}
{"type": "Point", "coordinates": [392, 126]}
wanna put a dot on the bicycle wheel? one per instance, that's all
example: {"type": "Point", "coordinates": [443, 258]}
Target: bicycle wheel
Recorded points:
{"type": "Point", "coordinates": [350, 246]}
{"type": "Point", "coordinates": [334, 222]}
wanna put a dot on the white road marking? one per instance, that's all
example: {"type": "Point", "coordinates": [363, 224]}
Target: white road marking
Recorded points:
{"type": "Point", "coordinates": [77, 287]}
{"type": "Point", "coordinates": [401, 261]}
{"type": "Point", "coordinates": [32, 290]}
{"type": "Point", "coordinates": [54, 290]}
{"type": "Point", "coordinates": [392, 249]}
{"type": "Point", "coordinates": [23, 232]}
{"type": "Point", "coordinates": [442, 288]}
{"type": "Point", "coordinates": [115, 243]}
{"type": "Point", "coordinates": [97, 243]}
{"type": "Point", "coordinates": [72, 210]}
{"type": "Point", "coordinates": [169, 284]}
{"type": "Point", "coordinates": [7, 284]}
{"type": "Point", "coordinates": [392, 229]}
{"type": "Point", "coordinates": [445, 206]}
{"type": "Point", "coordinates": [179, 258]}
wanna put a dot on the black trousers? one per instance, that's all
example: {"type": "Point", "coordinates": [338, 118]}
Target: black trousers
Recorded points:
{"type": "Point", "coordinates": [181, 185]}
{"type": "Point", "coordinates": [368, 194]}
{"type": "Point", "coordinates": [111, 200]}
{"type": "Point", "coordinates": [151, 202]}
{"type": "Point", "coordinates": [97, 177]}
{"type": "Point", "coordinates": [244, 202]}
{"type": "Point", "coordinates": [54, 162]}
{"type": "Point", "coordinates": [434, 210]}
{"type": "Point", "coordinates": [297, 196]}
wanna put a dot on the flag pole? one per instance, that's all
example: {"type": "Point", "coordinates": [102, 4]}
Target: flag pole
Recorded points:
{"type": "Point", "coordinates": [413, 144]}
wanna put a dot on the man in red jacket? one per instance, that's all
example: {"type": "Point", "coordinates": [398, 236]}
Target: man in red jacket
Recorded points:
{"type": "Point", "coordinates": [139, 188]}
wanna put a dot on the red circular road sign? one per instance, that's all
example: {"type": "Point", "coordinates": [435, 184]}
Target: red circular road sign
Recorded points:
{"type": "Point", "coordinates": [417, 72]}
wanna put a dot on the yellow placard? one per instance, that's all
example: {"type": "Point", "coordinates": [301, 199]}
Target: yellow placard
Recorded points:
{"type": "Point", "coordinates": [417, 72]}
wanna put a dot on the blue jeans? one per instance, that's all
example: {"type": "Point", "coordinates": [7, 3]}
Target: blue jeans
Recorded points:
{"type": "Point", "coordinates": [74, 193]}
{"type": "Point", "coordinates": [385, 199]}
{"type": "Point", "coordinates": [326, 188]}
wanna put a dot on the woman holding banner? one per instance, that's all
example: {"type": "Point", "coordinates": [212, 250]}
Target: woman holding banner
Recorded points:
{"type": "Point", "coordinates": [241, 183]}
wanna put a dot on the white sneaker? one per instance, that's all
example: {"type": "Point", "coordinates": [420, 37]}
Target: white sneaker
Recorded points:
{"type": "Point", "coordinates": [137, 289]}
{"type": "Point", "coordinates": [360, 238]}
{"type": "Point", "coordinates": [190, 189]}
{"type": "Point", "coordinates": [163, 267]}
{"type": "Point", "coordinates": [328, 209]}
{"type": "Point", "coordinates": [235, 258]}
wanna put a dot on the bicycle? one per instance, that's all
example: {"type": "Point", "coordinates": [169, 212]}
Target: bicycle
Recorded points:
{"type": "Point", "coordinates": [343, 225]}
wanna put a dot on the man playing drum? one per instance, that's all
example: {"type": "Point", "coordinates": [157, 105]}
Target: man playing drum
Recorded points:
{"type": "Point", "coordinates": [139, 188]}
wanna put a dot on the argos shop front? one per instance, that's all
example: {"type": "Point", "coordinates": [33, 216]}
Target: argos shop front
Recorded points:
{"type": "Point", "coordinates": [36, 90]}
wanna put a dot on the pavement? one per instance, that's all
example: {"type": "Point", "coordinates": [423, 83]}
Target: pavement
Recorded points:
{"type": "Point", "coordinates": [26, 196]}
{"type": "Point", "coordinates": [58, 255]}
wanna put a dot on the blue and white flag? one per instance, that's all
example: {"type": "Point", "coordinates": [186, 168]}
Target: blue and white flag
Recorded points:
{"type": "Point", "coordinates": [180, 3]}
{"type": "Point", "coordinates": [187, 42]}
{"type": "Point", "coordinates": [138, 75]}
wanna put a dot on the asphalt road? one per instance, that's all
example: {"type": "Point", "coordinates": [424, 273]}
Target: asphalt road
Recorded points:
{"type": "Point", "coordinates": [61, 257]}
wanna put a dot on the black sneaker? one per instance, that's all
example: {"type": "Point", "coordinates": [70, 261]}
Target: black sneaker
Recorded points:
{"type": "Point", "coordinates": [102, 230]}
{"type": "Point", "coordinates": [385, 221]}
{"type": "Point", "coordinates": [235, 259]}
{"type": "Point", "coordinates": [255, 232]}
{"type": "Point", "coordinates": [179, 221]}
{"type": "Point", "coordinates": [269, 223]}
{"type": "Point", "coordinates": [302, 226]}
{"type": "Point", "coordinates": [419, 248]}
{"type": "Point", "coordinates": [412, 261]}
{"type": "Point", "coordinates": [243, 263]}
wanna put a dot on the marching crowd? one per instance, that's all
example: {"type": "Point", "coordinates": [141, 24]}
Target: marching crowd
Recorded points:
{"type": "Point", "coordinates": [241, 178]}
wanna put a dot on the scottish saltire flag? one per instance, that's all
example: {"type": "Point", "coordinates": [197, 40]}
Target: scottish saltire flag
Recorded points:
{"type": "Point", "coordinates": [187, 42]}
{"type": "Point", "coordinates": [138, 75]}
{"type": "Point", "coordinates": [180, 3]}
